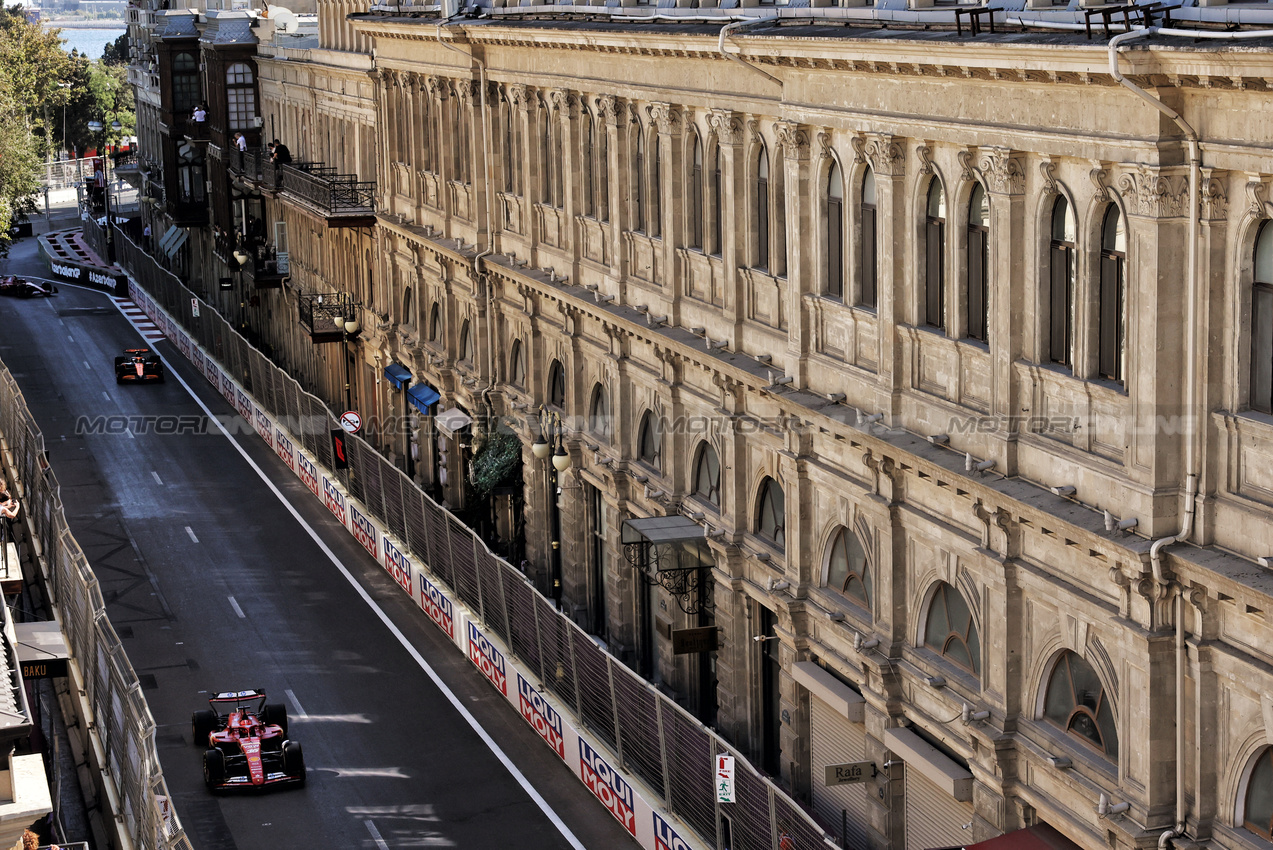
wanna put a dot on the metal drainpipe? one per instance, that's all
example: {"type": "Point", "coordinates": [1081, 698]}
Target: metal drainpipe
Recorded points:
{"type": "Point", "coordinates": [491, 360]}
{"type": "Point", "coordinates": [1191, 431]}
{"type": "Point", "coordinates": [729, 28]}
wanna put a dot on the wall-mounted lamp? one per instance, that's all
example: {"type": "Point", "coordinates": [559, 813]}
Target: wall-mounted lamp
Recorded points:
{"type": "Point", "coordinates": [939, 439]}
{"type": "Point", "coordinates": [865, 420]}
{"type": "Point", "coordinates": [860, 642]}
{"type": "Point", "coordinates": [1060, 762]}
{"type": "Point", "coordinates": [1065, 491]}
{"type": "Point", "coordinates": [773, 584]}
{"type": "Point", "coordinates": [764, 358]}
{"type": "Point", "coordinates": [836, 398]}
{"type": "Point", "coordinates": [1265, 561]}
{"type": "Point", "coordinates": [971, 465]}
{"type": "Point", "coordinates": [763, 638]}
{"type": "Point", "coordinates": [240, 258]}
{"type": "Point", "coordinates": [1104, 808]}
{"type": "Point", "coordinates": [935, 681]}
{"type": "Point", "coordinates": [763, 557]}
{"type": "Point", "coordinates": [1112, 524]}
{"type": "Point", "coordinates": [835, 616]}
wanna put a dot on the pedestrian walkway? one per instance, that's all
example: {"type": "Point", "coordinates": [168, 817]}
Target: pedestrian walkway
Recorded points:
{"type": "Point", "coordinates": [139, 320]}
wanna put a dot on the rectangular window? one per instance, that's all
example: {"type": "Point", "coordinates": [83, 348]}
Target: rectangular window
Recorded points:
{"type": "Point", "coordinates": [934, 277]}
{"type": "Point", "coordinates": [976, 306]}
{"type": "Point", "coordinates": [835, 248]}
{"type": "Point", "coordinates": [762, 224]}
{"type": "Point", "coordinates": [242, 106]}
{"type": "Point", "coordinates": [1110, 355]}
{"type": "Point", "coordinates": [600, 559]}
{"type": "Point", "coordinates": [1262, 348]}
{"type": "Point", "coordinates": [1059, 301]}
{"type": "Point", "coordinates": [696, 206]}
{"type": "Point", "coordinates": [868, 272]}
{"type": "Point", "coordinates": [603, 175]}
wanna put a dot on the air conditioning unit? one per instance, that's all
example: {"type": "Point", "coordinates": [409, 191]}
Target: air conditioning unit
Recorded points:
{"type": "Point", "coordinates": [258, 121]}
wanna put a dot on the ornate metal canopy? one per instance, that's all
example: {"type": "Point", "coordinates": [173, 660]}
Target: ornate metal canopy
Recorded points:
{"type": "Point", "coordinates": [671, 552]}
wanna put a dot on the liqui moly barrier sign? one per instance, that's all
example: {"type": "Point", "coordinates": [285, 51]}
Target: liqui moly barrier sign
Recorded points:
{"type": "Point", "coordinates": [334, 499]}
{"type": "Point", "coordinates": [437, 606]}
{"type": "Point", "coordinates": [283, 446]}
{"type": "Point", "coordinates": [243, 404]}
{"type": "Point", "coordinates": [608, 786]}
{"type": "Point", "coordinates": [263, 426]}
{"type": "Point", "coordinates": [538, 713]}
{"type": "Point", "coordinates": [308, 472]}
{"type": "Point", "coordinates": [488, 659]}
{"type": "Point", "coordinates": [197, 357]}
{"type": "Point", "coordinates": [227, 387]}
{"type": "Point", "coordinates": [397, 563]}
{"type": "Point", "coordinates": [364, 531]}
{"type": "Point", "coordinates": [666, 838]}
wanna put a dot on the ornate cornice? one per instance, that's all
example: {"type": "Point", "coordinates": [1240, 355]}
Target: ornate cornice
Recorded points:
{"type": "Point", "coordinates": [666, 116]}
{"type": "Point", "coordinates": [1214, 201]}
{"type": "Point", "coordinates": [1002, 171]}
{"type": "Point", "coordinates": [1150, 193]}
{"type": "Point", "coordinates": [726, 125]}
{"type": "Point", "coordinates": [884, 153]}
{"type": "Point", "coordinates": [794, 141]}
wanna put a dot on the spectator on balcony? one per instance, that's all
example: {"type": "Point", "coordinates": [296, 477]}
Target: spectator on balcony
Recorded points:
{"type": "Point", "coordinates": [282, 156]}
{"type": "Point", "coordinates": [240, 142]}
{"type": "Point", "coordinates": [200, 115]}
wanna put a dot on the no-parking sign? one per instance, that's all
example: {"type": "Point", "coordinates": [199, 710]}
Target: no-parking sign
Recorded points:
{"type": "Point", "coordinates": [350, 421]}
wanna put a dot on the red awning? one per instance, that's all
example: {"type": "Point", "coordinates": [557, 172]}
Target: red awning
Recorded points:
{"type": "Point", "coordinates": [1038, 837]}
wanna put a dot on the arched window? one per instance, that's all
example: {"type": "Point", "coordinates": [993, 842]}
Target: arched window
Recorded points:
{"type": "Point", "coordinates": [717, 210]}
{"type": "Point", "coordinates": [696, 194]}
{"type": "Point", "coordinates": [426, 144]}
{"type": "Point", "coordinates": [650, 441]}
{"type": "Point", "coordinates": [976, 305]}
{"type": "Point", "coordinates": [778, 212]}
{"type": "Point", "coordinates": [771, 513]}
{"type": "Point", "coordinates": [950, 630]}
{"type": "Point", "coordinates": [556, 385]}
{"type": "Point", "coordinates": [589, 164]}
{"type": "Point", "coordinates": [867, 253]}
{"type": "Point", "coordinates": [1257, 802]}
{"type": "Point", "coordinates": [511, 155]}
{"type": "Point", "coordinates": [1061, 283]}
{"type": "Point", "coordinates": [603, 174]}
{"type": "Point", "coordinates": [463, 148]}
{"type": "Point", "coordinates": [1110, 318]}
{"type": "Point", "coordinates": [1262, 322]}
{"type": "Point", "coordinates": [934, 301]}
{"type": "Point", "coordinates": [1076, 702]}
{"type": "Point", "coordinates": [847, 569]}
{"type": "Point", "coordinates": [545, 156]}
{"type": "Point", "coordinates": [185, 83]}
{"type": "Point", "coordinates": [656, 185]}
{"type": "Point", "coordinates": [638, 175]}
{"type": "Point", "coordinates": [599, 413]}
{"type": "Point", "coordinates": [466, 343]}
{"type": "Point", "coordinates": [407, 317]}
{"type": "Point", "coordinates": [558, 162]}
{"type": "Point", "coordinates": [435, 324]}
{"type": "Point", "coordinates": [760, 212]}
{"type": "Point", "coordinates": [707, 475]}
{"type": "Point", "coordinates": [517, 365]}
{"type": "Point", "coordinates": [834, 233]}
{"type": "Point", "coordinates": [240, 93]}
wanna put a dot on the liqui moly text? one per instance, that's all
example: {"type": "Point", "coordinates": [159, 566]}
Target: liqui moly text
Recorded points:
{"type": "Point", "coordinates": [437, 606]}
{"type": "Point", "coordinates": [308, 472]}
{"type": "Point", "coordinates": [665, 838]}
{"type": "Point", "coordinates": [334, 499]}
{"type": "Point", "coordinates": [607, 786]}
{"type": "Point", "coordinates": [243, 404]}
{"type": "Point", "coordinates": [541, 715]}
{"type": "Point", "coordinates": [283, 446]}
{"type": "Point", "coordinates": [398, 565]}
{"type": "Point", "coordinates": [364, 531]}
{"type": "Point", "coordinates": [488, 659]}
{"type": "Point", "coordinates": [263, 426]}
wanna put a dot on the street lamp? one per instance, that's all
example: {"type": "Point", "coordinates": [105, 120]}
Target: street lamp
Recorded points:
{"type": "Point", "coordinates": [349, 329]}
{"type": "Point", "coordinates": [99, 127]}
{"type": "Point", "coordinates": [550, 444]}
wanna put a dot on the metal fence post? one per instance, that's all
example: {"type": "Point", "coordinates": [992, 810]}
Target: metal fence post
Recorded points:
{"type": "Point", "coordinates": [667, 773]}
{"type": "Point", "coordinates": [477, 577]}
{"type": "Point", "coordinates": [539, 641]}
{"type": "Point", "coordinates": [614, 708]}
{"type": "Point", "coordinates": [574, 675]}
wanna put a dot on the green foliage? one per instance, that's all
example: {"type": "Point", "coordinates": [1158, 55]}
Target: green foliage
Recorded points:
{"type": "Point", "coordinates": [116, 53]}
{"type": "Point", "coordinates": [496, 462]}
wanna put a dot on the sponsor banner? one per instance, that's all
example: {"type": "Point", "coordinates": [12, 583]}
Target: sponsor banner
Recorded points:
{"type": "Point", "coordinates": [227, 387]}
{"type": "Point", "coordinates": [66, 272]}
{"type": "Point", "coordinates": [334, 499]}
{"type": "Point", "coordinates": [436, 604]}
{"type": "Point", "coordinates": [396, 563]}
{"type": "Point", "coordinates": [608, 786]}
{"type": "Point", "coordinates": [308, 471]}
{"type": "Point", "coordinates": [364, 530]}
{"type": "Point", "coordinates": [261, 421]}
{"type": "Point", "coordinates": [243, 404]}
{"type": "Point", "coordinates": [488, 659]}
{"type": "Point", "coordinates": [197, 357]}
{"type": "Point", "coordinates": [283, 448]}
{"type": "Point", "coordinates": [666, 837]}
{"type": "Point", "coordinates": [543, 717]}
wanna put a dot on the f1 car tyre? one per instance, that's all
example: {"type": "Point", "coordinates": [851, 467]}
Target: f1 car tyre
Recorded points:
{"type": "Point", "coordinates": [202, 724]}
{"type": "Point", "coordinates": [275, 714]}
{"type": "Point", "coordinates": [213, 767]}
{"type": "Point", "coordinates": [293, 760]}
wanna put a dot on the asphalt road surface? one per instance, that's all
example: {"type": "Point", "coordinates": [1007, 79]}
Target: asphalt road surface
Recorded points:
{"type": "Point", "coordinates": [214, 585]}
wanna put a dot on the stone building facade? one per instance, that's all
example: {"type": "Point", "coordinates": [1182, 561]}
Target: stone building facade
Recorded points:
{"type": "Point", "coordinates": [954, 352]}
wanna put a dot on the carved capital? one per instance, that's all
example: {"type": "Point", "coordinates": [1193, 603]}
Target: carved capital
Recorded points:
{"type": "Point", "coordinates": [726, 125]}
{"type": "Point", "coordinates": [824, 145]}
{"type": "Point", "coordinates": [967, 171]}
{"type": "Point", "coordinates": [564, 100]}
{"type": "Point", "coordinates": [1099, 177]}
{"type": "Point", "coordinates": [666, 117]}
{"type": "Point", "coordinates": [882, 152]}
{"type": "Point", "coordinates": [1214, 201]}
{"type": "Point", "coordinates": [794, 141]}
{"type": "Point", "coordinates": [924, 155]}
{"type": "Point", "coordinates": [1002, 171]}
{"type": "Point", "coordinates": [608, 108]}
{"type": "Point", "coordinates": [1150, 193]}
{"type": "Point", "coordinates": [438, 87]}
{"type": "Point", "coordinates": [517, 94]}
{"type": "Point", "coordinates": [1046, 169]}
{"type": "Point", "coordinates": [1256, 192]}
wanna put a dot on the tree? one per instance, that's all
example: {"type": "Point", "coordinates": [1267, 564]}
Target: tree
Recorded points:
{"type": "Point", "coordinates": [32, 64]}
{"type": "Point", "coordinates": [116, 53]}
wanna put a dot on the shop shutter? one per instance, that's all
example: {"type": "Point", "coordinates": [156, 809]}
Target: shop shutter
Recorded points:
{"type": "Point", "coordinates": [933, 818]}
{"type": "Point", "coordinates": [835, 740]}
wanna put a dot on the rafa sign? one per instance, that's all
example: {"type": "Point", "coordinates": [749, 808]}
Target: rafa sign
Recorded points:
{"type": "Point", "coordinates": [848, 773]}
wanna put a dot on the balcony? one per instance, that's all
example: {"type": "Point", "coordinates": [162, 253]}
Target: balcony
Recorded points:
{"type": "Point", "coordinates": [342, 200]}
{"type": "Point", "coordinates": [324, 315]}
{"type": "Point", "coordinates": [260, 264]}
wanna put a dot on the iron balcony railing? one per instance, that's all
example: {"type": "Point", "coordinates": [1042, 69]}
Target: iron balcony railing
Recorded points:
{"type": "Point", "coordinates": [323, 187]}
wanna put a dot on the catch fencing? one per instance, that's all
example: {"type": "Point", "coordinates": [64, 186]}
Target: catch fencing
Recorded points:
{"type": "Point", "coordinates": [649, 734]}
{"type": "Point", "coordinates": [124, 727]}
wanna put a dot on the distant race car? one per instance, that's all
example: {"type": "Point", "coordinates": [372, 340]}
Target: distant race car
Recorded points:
{"type": "Point", "coordinates": [247, 743]}
{"type": "Point", "coordinates": [20, 287]}
{"type": "Point", "coordinates": [138, 365]}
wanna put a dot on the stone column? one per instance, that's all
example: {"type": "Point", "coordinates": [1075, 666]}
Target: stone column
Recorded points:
{"type": "Point", "coordinates": [566, 104]}
{"type": "Point", "coordinates": [667, 118]}
{"type": "Point", "coordinates": [610, 109]}
{"type": "Point", "coordinates": [800, 239]}
{"type": "Point", "coordinates": [887, 158]}
{"type": "Point", "coordinates": [1005, 179]}
{"type": "Point", "coordinates": [728, 128]}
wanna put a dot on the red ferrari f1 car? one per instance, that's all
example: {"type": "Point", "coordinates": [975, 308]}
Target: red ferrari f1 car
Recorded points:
{"type": "Point", "coordinates": [247, 743]}
{"type": "Point", "coordinates": [20, 287]}
{"type": "Point", "coordinates": [138, 365]}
